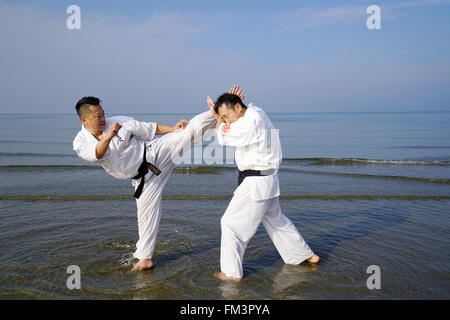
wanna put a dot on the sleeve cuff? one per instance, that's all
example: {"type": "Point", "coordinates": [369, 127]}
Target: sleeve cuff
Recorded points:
{"type": "Point", "coordinates": [154, 127]}
{"type": "Point", "coordinates": [219, 135]}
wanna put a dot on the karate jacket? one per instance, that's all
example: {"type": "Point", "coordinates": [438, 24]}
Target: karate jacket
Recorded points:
{"type": "Point", "coordinates": [126, 149]}
{"type": "Point", "coordinates": [257, 147]}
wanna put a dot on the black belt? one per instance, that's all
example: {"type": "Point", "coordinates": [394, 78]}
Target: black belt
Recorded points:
{"type": "Point", "coordinates": [248, 173]}
{"type": "Point", "coordinates": [142, 171]}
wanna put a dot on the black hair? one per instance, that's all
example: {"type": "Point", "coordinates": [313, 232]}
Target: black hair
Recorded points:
{"type": "Point", "coordinates": [83, 104]}
{"type": "Point", "coordinates": [229, 100]}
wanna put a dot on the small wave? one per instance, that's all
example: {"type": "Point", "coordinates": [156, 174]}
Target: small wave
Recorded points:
{"type": "Point", "coordinates": [66, 197]}
{"type": "Point", "coordinates": [46, 167]}
{"type": "Point", "coordinates": [28, 154]}
{"type": "Point", "coordinates": [419, 147]}
{"type": "Point", "coordinates": [179, 170]}
{"type": "Point", "coordinates": [116, 244]}
{"type": "Point", "coordinates": [362, 175]}
{"type": "Point", "coordinates": [362, 161]}
{"type": "Point", "coordinates": [218, 197]}
{"type": "Point", "coordinates": [127, 260]}
{"type": "Point", "coordinates": [205, 168]}
{"type": "Point", "coordinates": [217, 169]}
{"type": "Point", "coordinates": [202, 169]}
{"type": "Point", "coordinates": [35, 142]}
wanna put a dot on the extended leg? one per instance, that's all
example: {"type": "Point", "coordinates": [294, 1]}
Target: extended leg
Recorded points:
{"type": "Point", "coordinates": [287, 239]}
{"type": "Point", "coordinates": [171, 146]}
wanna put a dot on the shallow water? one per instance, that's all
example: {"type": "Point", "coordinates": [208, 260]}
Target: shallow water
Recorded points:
{"type": "Point", "coordinates": [353, 210]}
{"type": "Point", "coordinates": [46, 237]}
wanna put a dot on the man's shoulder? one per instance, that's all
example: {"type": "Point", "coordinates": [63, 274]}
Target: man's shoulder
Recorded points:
{"type": "Point", "coordinates": [80, 137]}
{"type": "Point", "coordinates": [260, 115]}
{"type": "Point", "coordinates": [256, 113]}
{"type": "Point", "coordinates": [119, 119]}
{"type": "Point", "coordinates": [256, 110]}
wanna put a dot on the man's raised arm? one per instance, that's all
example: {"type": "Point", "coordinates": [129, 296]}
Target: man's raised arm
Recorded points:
{"type": "Point", "coordinates": [103, 144]}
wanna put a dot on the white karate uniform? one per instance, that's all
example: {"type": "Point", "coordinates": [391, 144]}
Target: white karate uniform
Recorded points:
{"type": "Point", "coordinates": [125, 155]}
{"type": "Point", "coordinates": [257, 147]}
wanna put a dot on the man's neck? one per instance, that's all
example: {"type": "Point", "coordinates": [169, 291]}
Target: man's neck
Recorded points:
{"type": "Point", "coordinates": [95, 133]}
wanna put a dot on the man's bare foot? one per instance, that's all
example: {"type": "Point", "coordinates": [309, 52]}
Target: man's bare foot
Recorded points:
{"type": "Point", "coordinates": [143, 264]}
{"type": "Point", "coordinates": [314, 259]}
{"type": "Point", "coordinates": [223, 276]}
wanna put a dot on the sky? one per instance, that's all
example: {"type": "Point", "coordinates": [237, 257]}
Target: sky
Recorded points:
{"type": "Point", "coordinates": [167, 56]}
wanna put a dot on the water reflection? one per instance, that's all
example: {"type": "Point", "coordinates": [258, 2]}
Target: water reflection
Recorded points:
{"type": "Point", "coordinates": [144, 281]}
{"type": "Point", "coordinates": [231, 290]}
{"type": "Point", "coordinates": [291, 276]}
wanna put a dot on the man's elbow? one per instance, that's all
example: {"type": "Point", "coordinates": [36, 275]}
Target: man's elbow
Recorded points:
{"type": "Point", "coordinates": [99, 155]}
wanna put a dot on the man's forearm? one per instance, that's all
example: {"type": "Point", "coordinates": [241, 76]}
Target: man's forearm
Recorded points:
{"type": "Point", "coordinates": [219, 122]}
{"type": "Point", "coordinates": [102, 147]}
{"type": "Point", "coordinates": [163, 129]}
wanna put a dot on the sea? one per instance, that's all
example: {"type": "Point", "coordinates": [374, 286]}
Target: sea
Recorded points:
{"type": "Point", "coordinates": [369, 192]}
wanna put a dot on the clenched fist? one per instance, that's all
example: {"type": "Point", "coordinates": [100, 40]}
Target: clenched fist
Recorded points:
{"type": "Point", "coordinates": [113, 130]}
{"type": "Point", "coordinates": [180, 125]}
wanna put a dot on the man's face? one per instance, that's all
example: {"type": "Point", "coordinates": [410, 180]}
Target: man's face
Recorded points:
{"type": "Point", "coordinates": [230, 115]}
{"type": "Point", "coordinates": [94, 120]}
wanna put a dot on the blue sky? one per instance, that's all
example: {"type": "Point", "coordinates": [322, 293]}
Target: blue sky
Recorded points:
{"type": "Point", "coordinates": [167, 56]}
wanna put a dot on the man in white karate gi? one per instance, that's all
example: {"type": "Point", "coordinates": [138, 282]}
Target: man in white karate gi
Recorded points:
{"type": "Point", "coordinates": [127, 149]}
{"type": "Point", "coordinates": [258, 156]}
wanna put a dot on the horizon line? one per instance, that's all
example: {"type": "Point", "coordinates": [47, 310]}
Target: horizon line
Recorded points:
{"type": "Point", "coordinates": [269, 112]}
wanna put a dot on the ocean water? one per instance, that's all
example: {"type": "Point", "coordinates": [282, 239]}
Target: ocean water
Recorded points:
{"type": "Point", "coordinates": [364, 189]}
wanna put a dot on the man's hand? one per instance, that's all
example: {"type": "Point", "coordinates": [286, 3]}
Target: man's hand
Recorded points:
{"type": "Point", "coordinates": [234, 90]}
{"type": "Point", "coordinates": [237, 91]}
{"type": "Point", "coordinates": [113, 130]}
{"type": "Point", "coordinates": [211, 104]}
{"type": "Point", "coordinates": [180, 125]}
{"type": "Point", "coordinates": [102, 146]}
{"type": "Point", "coordinates": [219, 122]}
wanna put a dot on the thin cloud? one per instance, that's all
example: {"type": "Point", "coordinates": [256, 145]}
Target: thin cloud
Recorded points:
{"type": "Point", "coordinates": [305, 18]}
{"type": "Point", "coordinates": [311, 17]}
{"type": "Point", "coordinates": [159, 65]}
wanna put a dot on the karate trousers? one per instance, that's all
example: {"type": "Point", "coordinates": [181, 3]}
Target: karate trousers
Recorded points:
{"type": "Point", "coordinates": [166, 150]}
{"type": "Point", "coordinates": [241, 221]}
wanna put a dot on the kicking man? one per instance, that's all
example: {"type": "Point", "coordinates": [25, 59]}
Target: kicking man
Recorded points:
{"type": "Point", "coordinates": [258, 156]}
{"type": "Point", "coordinates": [127, 149]}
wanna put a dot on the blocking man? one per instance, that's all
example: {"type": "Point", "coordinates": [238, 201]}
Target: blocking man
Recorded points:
{"type": "Point", "coordinates": [258, 156]}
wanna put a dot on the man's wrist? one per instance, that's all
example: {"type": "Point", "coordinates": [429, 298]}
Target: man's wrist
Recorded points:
{"type": "Point", "coordinates": [108, 139]}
